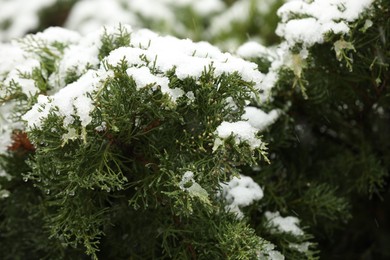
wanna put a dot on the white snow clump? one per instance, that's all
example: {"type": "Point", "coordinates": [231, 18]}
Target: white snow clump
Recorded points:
{"type": "Point", "coordinates": [241, 131]}
{"type": "Point", "coordinates": [283, 224]}
{"type": "Point", "coordinates": [259, 119]}
{"type": "Point", "coordinates": [20, 16]}
{"type": "Point", "coordinates": [240, 192]}
{"type": "Point", "coordinates": [320, 17]}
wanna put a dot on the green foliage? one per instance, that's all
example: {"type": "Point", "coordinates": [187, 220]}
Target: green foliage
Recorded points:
{"type": "Point", "coordinates": [331, 151]}
{"type": "Point", "coordinates": [113, 41]}
{"type": "Point", "coordinates": [142, 179]}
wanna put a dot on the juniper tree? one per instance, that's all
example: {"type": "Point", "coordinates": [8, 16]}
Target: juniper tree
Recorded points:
{"type": "Point", "coordinates": [126, 144]}
{"type": "Point", "coordinates": [130, 141]}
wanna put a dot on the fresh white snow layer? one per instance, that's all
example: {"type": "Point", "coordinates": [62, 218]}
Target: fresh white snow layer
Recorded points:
{"type": "Point", "coordinates": [284, 224]}
{"type": "Point", "coordinates": [149, 58]}
{"type": "Point", "coordinates": [241, 131]}
{"type": "Point", "coordinates": [21, 16]}
{"type": "Point", "coordinates": [240, 192]}
{"type": "Point", "coordinates": [258, 119]}
{"type": "Point", "coordinates": [320, 17]}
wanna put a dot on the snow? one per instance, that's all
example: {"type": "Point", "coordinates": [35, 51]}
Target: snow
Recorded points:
{"type": "Point", "coordinates": [80, 57]}
{"type": "Point", "coordinates": [242, 132]}
{"type": "Point", "coordinates": [6, 127]}
{"type": "Point", "coordinates": [188, 58]}
{"type": "Point", "coordinates": [259, 119]}
{"type": "Point", "coordinates": [190, 95]}
{"type": "Point", "coordinates": [200, 7]}
{"type": "Point", "coordinates": [320, 17]}
{"type": "Point", "coordinates": [70, 135]}
{"type": "Point", "coordinates": [152, 9]}
{"type": "Point", "coordinates": [284, 224]}
{"type": "Point", "coordinates": [276, 55]}
{"type": "Point", "coordinates": [4, 193]}
{"type": "Point", "coordinates": [71, 101]}
{"type": "Point", "coordinates": [39, 111]}
{"type": "Point", "coordinates": [303, 247]}
{"type": "Point", "coordinates": [10, 56]}
{"type": "Point", "coordinates": [325, 10]}
{"type": "Point", "coordinates": [143, 77]}
{"type": "Point", "coordinates": [56, 34]}
{"type": "Point", "coordinates": [206, 8]}
{"type": "Point", "coordinates": [15, 76]}
{"type": "Point", "coordinates": [223, 22]}
{"type": "Point", "coordinates": [268, 252]}
{"type": "Point", "coordinates": [240, 192]}
{"type": "Point", "coordinates": [188, 177]}
{"type": "Point", "coordinates": [305, 30]}
{"type": "Point", "coordinates": [149, 59]}
{"type": "Point", "coordinates": [189, 185]}
{"type": "Point", "coordinates": [21, 15]}
{"type": "Point", "coordinates": [239, 13]}
{"type": "Point", "coordinates": [89, 15]}
{"type": "Point", "coordinates": [252, 49]}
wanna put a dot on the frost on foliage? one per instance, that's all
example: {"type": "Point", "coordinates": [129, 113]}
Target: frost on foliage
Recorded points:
{"type": "Point", "coordinates": [240, 192]}
{"type": "Point", "coordinates": [241, 131]}
{"type": "Point", "coordinates": [18, 17]}
{"type": "Point", "coordinates": [307, 22]}
{"type": "Point", "coordinates": [283, 224]}
{"type": "Point", "coordinates": [193, 188]}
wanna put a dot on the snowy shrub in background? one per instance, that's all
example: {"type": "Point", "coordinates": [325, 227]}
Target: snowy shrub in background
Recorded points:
{"type": "Point", "coordinates": [120, 143]}
{"type": "Point", "coordinates": [181, 18]}
{"type": "Point", "coordinates": [18, 17]}
{"type": "Point", "coordinates": [211, 20]}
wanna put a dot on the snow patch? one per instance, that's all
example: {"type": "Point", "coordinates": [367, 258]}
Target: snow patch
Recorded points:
{"type": "Point", "coordinates": [241, 131]}
{"type": "Point", "coordinates": [259, 119]}
{"type": "Point", "coordinates": [321, 17]}
{"type": "Point", "coordinates": [284, 224]}
{"type": "Point", "coordinates": [240, 192]}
